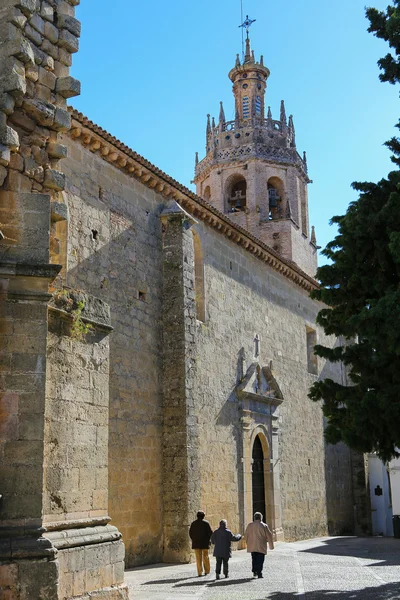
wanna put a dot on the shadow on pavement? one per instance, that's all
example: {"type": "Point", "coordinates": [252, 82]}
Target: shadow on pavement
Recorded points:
{"type": "Point", "coordinates": [223, 582]}
{"type": "Point", "coordinates": [389, 591]}
{"type": "Point", "coordinates": [220, 582]}
{"type": "Point", "coordinates": [202, 581]}
{"type": "Point", "coordinates": [384, 550]}
{"type": "Point", "coordinates": [158, 581]}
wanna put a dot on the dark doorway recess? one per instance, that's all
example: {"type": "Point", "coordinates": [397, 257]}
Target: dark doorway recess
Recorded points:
{"type": "Point", "coordinates": [258, 482]}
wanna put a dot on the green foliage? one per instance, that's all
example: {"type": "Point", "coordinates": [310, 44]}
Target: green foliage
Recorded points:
{"type": "Point", "coordinates": [79, 329]}
{"type": "Point", "coordinates": [386, 25]}
{"type": "Point", "coordinates": [361, 288]}
{"type": "Point", "coordinates": [67, 300]}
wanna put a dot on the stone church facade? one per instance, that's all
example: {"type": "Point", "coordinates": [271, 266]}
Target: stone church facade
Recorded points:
{"type": "Point", "coordinates": [156, 343]}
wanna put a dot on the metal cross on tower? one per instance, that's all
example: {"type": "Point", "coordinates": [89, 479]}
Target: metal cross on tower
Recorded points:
{"type": "Point", "coordinates": [246, 24]}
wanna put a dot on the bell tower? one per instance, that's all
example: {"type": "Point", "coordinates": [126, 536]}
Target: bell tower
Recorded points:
{"type": "Point", "coordinates": [253, 171]}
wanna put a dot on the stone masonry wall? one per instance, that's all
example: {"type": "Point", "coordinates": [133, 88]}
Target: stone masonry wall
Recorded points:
{"type": "Point", "coordinates": [115, 253]}
{"type": "Point", "coordinates": [37, 40]}
{"type": "Point", "coordinates": [244, 298]}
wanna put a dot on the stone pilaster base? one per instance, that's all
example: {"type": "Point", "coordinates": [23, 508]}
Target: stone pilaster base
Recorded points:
{"type": "Point", "coordinates": [91, 561]}
{"type": "Point", "coordinates": [62, 565]}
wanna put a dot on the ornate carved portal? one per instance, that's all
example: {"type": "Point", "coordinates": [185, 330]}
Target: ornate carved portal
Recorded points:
{"type": "Point", "coordinates": [260, 396]}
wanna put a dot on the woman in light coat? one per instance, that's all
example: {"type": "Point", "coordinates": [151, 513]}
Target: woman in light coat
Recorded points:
{"type": "Point", "coordinates": [258, 536]}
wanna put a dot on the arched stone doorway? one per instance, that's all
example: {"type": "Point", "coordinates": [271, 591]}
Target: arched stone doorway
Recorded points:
{"type": "Point", "coordinates": [260, 398]}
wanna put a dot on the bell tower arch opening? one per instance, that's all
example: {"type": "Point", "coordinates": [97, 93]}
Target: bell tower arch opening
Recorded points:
{"type": "Point", "coordinates": [236, 192]}
{"type": "Point", "coordinates": [276, 198]}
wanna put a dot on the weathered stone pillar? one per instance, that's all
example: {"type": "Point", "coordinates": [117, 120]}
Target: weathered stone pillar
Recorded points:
{"type": "Point", "coordinates": [181, 470]}
{"type": "Point", "coordinates": [55, 541]}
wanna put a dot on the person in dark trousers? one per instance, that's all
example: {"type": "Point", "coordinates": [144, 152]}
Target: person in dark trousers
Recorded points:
{"type": "Point", "coordinates": [258, 535]}
{"type": "Point", "coordinates": [200, 533]}
{"type": "Point", "coordinates": [222, 539]}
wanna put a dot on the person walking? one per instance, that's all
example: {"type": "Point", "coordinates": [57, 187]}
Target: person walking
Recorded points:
{"type": "Point", "coordinates": [200, 533]}
{"type": "Point", "coordinates": [222, 539]}
{"type": "Point", "coordinates": [258, 535]}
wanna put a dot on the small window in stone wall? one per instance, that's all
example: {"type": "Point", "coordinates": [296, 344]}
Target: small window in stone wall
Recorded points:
{"type": "Point", "coordinates": [312, 361]}
{"type": "Point", "coordinates": [199, 278]}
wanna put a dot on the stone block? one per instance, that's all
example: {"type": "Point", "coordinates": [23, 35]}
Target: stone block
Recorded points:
{"type": "Point", "coordinates": [8, 33]}
{"type": "Point", "coordinates": [17, 183]}
{"type": "Point", "coordinates": [68, 87]}
{"type": "Point", "coordinates": [18, 18]}
{"type": "Point", "coordinates": [5, 155]}
{"type": "Point", "coordinates": [43, 112]}
{"type": "Point", "coordinates": [9, 137]}
{"type": "Point", "coordinates": [48, 61]}
{"type": "Point", "coordinates": [65, 57]}
{"type": "Point", "coordinates": [31, 429]}
{"type": "Point", "coordinates": [22, 121]}
{"type": "Point", "coordinates": [17, 162]}
{"type": "Point", "coordinates": [7, 103]}
{"type": "Point", "coordinates": [21, 49]}
{"type": "Point", "coordinates": [69, 23]}
{"type": "Point", "coordinates": [51, 32]}
{"type": "Point", "coordinates": [39, 55]}
{"type": "Point", "coordinates": [54, 180]}
{"type": "Point", "coordinates": [118, 572]}
{"type": "Point", "coordinates": [56, 150]}
{"type": "Point", "coordinates": [3, 174]}
{"type": "Point", "coordinates": [32, 73]}
{"type": "Point", "coordinates": [50, 49]}
{"type": "Point", "coordinates": [62, 120]}
{"type": "Point", "coordinates": [23, 452]}
{"type": "Point", "coordinates": [65, 7]}
{"type": "Point", "coordinates": [38, 580]}
{"type": "Point", "coordinates": [40, 155]}
{"type": "Point", "coordinates": [12, 77]}
{"type": "Point", "coordinates": [47, 78]}
{"type": "Point", "coordinates": [28, 7]}
{"type": "Point", "coordinates": [44, 93]}
{"type": "Point", "coordinates": [79, 583]}
{"type": "Point", "coordinates": [33, 35]}
{"type": "Point", "coordinates": [47, 11]}
{"type": "Point", "coordinates": [68, 41]}
{"type": "Point", "coordinates": [37, 23]}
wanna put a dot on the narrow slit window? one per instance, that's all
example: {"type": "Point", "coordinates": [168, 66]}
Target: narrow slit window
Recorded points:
{"type": "Point", "coordinates": [312, 361]}
{"type": "Point", "coordinates": [199, 277]}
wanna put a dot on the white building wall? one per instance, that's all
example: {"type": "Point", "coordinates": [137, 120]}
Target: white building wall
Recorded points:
{"type": "Point", "coordinates": [381, 505]}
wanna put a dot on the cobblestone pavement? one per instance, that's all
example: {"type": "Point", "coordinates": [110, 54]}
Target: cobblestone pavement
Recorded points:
{"type": "Point", "coordinates": [340, 568]}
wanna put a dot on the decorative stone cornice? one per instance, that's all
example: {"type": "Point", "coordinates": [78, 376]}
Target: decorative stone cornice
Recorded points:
{"type": "Point", "coordinates": [238, 154]}
{"type": "Point", "coordinates": [100, 142]}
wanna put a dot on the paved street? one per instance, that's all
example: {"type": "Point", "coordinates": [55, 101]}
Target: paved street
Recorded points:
{"type": "Point", "coordinates": [341, 568]}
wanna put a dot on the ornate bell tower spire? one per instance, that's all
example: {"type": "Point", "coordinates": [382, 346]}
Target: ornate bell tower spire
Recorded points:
{"type": "Point", "coordinates": [252, 169]}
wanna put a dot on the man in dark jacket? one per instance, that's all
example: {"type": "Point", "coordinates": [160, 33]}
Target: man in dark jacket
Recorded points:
{"type": "Point", "coordinates": [222, 539]}
{"type": "Point", "coordinates": [200, 533]}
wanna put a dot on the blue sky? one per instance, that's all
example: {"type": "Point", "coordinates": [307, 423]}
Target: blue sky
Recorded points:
{"type": "Point", "coordinates": [151, 71]}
